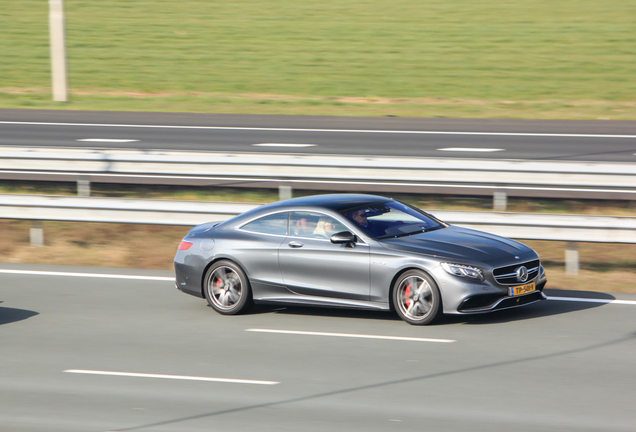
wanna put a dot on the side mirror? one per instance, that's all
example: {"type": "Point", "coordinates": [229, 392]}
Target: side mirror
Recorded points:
{"type": "Point", "coordinates": [344, 237]}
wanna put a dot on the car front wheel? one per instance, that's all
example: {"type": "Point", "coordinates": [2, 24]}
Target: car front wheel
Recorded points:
{"type": "Point", "coordinates": [416, 298]}
{"type": "Point", "coordinates": [227, 288]}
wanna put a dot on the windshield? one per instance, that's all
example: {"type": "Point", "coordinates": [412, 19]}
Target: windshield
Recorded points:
{"type": "Point", "coordinates": [391, 219]}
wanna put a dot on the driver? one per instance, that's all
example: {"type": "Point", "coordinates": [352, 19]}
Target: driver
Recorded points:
{"type": "Point", "coordinates": [360, 218]}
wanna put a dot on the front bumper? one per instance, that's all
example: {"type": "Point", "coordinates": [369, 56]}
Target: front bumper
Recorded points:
{"type": "Point", "coordinates": [492, 302]}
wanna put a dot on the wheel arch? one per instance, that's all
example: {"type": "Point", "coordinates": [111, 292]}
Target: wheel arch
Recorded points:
{"type": "Point", "coordinates": [406, 269]}
{"type": "Point", "coordinates": [214, 261]}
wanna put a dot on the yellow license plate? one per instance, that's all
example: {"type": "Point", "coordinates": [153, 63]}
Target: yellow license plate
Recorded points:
{"type": "Point", "coordinates": [522, 289]}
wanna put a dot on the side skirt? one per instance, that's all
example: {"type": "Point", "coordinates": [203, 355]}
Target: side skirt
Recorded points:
{"type": "Point", "coordinates": [325, 302]}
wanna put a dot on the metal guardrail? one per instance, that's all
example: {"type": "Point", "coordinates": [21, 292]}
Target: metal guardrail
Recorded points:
{"type": "Point", "coordinates": [523, 226]}
{"type": "Point", "coordinates": [325, 172]}
{"type": "Point", "coordinates": [116, 210]}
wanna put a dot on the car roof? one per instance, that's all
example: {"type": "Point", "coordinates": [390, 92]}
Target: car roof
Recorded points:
{"type": "Point", "coordinates": [336, 202]}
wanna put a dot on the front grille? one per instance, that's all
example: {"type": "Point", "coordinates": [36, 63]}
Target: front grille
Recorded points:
{"type": "Point", "coordinates": [492, 302]}
{"type": "Point", "coordinates": [508, 275]}
{"type": "Point", "coordinates": [479, 302]}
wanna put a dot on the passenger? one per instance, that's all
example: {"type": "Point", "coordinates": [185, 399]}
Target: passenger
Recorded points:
{"type": "Point", "coordinates": [301, 227]}
{"type": "Point", "coordinates": [324, 228]}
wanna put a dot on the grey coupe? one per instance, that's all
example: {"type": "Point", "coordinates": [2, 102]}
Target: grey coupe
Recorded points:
{"type": "Point", "coordinates": [355, 251]}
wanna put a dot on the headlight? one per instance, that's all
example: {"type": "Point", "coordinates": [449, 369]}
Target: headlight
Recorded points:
{"type": "Point", "coordinates": [463, 271]}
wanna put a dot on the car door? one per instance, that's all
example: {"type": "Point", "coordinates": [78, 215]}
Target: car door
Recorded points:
{"type": "Point", "coordinates": [312, 265]}
{"type": "Point", "coordinates": [256, 249]}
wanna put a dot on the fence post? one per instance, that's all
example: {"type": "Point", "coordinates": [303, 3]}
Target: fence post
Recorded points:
{"type": "Point", "coordinates": [58, 51]}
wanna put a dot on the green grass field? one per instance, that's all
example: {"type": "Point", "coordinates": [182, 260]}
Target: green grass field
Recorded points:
{"type": "Point", "coordinates": [465, 58]}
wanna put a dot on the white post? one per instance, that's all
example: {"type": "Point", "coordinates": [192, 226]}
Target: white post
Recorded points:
{"type": "Point", "coordinates": [37, 234]}
{"type": "Point", "coordinates": [500, 201]}
{"type": "Point", "coordinates": [58, 50]}
{"type": "Point", "coordinates": [83, 188]}
{"type": "Point", "coordinates": [284, 192]}
{"type": "Point", "coordinates": [572, 259]}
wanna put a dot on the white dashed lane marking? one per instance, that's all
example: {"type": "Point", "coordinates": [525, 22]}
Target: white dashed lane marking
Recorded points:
{"type": "Point", "coordinates": [350, 335]}
{"type": "Point", "coordinates": [172, 377]}
{"type": "Point", "coordinates": [470, 149]}
{"type": "Point", "coordinates": [283, 145]}
{"type": "Point", "coordinates": [107, 140]}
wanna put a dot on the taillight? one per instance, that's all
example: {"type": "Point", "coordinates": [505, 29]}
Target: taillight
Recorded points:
{"type": "Point", "coordinates": [185, 245]}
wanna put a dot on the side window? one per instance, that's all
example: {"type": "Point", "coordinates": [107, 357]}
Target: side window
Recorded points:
{"type": "Point", "coordinates": [272, 224]}
{"type": "Point", "coordinates": [314, 225]}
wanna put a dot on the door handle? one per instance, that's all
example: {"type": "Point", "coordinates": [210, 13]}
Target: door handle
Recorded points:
{"type": "Point", "coordinates": [295, 244]}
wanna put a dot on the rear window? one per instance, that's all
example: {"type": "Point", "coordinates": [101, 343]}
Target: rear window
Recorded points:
{"type": "Point", "coordinates": [271, 224]}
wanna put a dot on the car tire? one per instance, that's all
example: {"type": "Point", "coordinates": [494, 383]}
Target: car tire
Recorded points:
{"type": "Point", "coordinates": [416, 298]}
{"type": "Point", "coordinates": [227, 288]}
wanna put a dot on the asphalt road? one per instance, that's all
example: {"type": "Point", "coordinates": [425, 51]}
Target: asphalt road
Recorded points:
{"type": "Point", "coordinates": [554, 366]}
{"type": "Point", "coordinates": [609, 141]}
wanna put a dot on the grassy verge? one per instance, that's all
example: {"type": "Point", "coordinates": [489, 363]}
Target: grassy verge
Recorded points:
{"type": "Point", "coordinates": [459, 58]}
{"type": "Point", "coordinates": [327, 106]}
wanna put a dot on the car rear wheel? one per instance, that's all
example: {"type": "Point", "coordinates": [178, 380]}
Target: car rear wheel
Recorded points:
{"type": "Point", "coordinates": [227, 288]}
{"type": "Point", "coordinates": [416, 298]}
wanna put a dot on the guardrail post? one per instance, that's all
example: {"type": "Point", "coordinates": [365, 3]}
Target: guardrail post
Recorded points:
{"type": "Point", "coordinates": [37, 234]}
{"type": "Point", "coordinates": [284, 192]}
{"type": "Point", "coordinates": [500, 201]}
{"type": "Point", "coordinates": [83, 188]}
{"type": "Point", "coordinates": [572, 259]}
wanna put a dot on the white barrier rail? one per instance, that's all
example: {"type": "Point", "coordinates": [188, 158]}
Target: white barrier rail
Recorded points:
{"type": "Point", "coordinates": [326, 172]}
{"type": "Point", "coordinates": [524, 226]}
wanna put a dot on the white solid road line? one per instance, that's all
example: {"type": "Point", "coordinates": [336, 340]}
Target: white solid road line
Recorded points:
{"type": "Point", "coordinates": [470, 149]}
{"type": "Point", "coordinates": [321, 130]}
{"type": "Point", "coordinates": [92, 275]}
{"type": "Point", "coordinates": [107, 140]}
{"type": "Point", "coordinates": [350, 335]}
{"type": "Point", "coordinates": [283, 145]}
{"type": "Point", "coordinates": [591, 300]}
{"type": "Point", "coordinates": [172, 279]}
{"type": "Point", "coordinates": [174, 377]}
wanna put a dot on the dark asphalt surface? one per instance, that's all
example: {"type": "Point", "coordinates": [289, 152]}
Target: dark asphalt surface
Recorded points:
{"type": "Point", "coordinates": [608, 141]}
{"type": "Point", "coordinates": [553, 366]}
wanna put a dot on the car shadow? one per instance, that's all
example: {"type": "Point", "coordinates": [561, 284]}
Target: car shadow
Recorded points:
{"type": "Point", "coordinates": [325, 311]}
{"type": "Point", "coordinates": [537, 310]}
{"type": "Point", "coordinates": [10, 315]}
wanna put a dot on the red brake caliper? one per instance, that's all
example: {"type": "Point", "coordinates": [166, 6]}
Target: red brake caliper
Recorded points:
{"type": "Point", "coordinates": [407, 294]}
{"type": "Point", "coordinates": [219, 282]}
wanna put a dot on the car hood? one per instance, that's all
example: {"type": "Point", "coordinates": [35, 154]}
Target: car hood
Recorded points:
{"type": "Point", "coordinates": [457, 243]}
